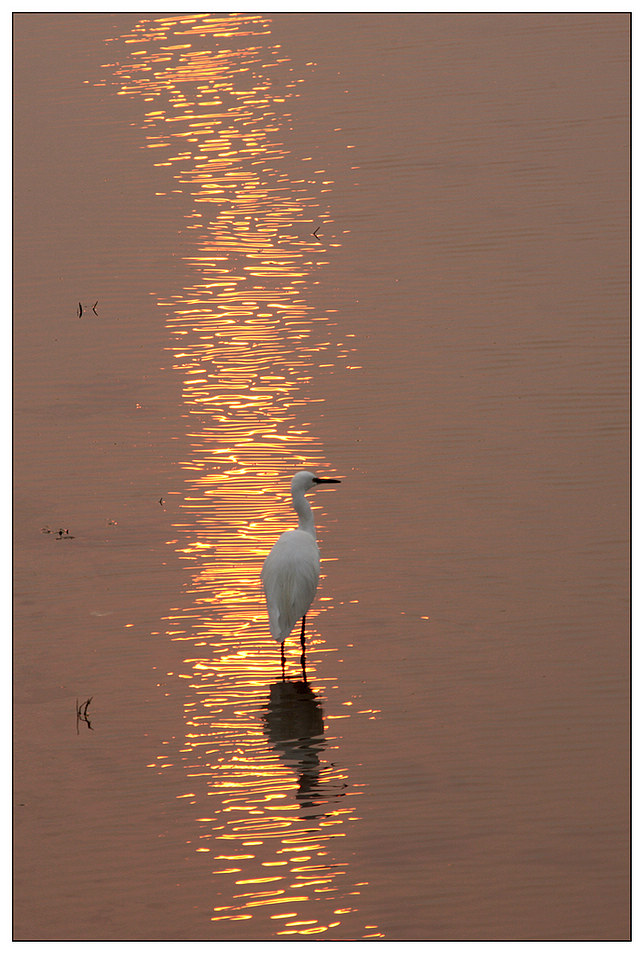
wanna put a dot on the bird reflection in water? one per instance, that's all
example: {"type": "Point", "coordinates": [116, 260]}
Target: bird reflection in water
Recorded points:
{"type": "Point", "coordinates": [294, 726]}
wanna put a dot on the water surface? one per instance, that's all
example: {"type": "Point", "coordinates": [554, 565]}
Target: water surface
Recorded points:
{"type": "Point", "coordinates": [389, 249]}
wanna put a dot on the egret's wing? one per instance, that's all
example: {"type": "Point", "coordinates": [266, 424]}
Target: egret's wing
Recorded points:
{"type": "Point", "coordinates": [290, 577]}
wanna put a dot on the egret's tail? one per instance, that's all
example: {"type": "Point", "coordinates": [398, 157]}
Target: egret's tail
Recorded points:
{"type": "Point", "coordinates": [279, 632]}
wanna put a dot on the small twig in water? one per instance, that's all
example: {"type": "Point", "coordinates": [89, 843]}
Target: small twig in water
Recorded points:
{"type": "Point", "coordinates": [81, 714]}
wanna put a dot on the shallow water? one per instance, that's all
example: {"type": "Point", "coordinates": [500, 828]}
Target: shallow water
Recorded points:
{"type": "Point", "coordinates": [393, 250]}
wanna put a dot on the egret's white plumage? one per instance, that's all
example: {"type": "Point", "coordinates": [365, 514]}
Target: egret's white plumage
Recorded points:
{"type": "Point", "coordinates": [292, 569]}
{"type": "Point", "coordinates": [290, 578]}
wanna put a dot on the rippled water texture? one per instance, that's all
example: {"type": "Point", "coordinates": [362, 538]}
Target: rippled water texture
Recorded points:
{"type": "Point", "coordinates": [390, 249]}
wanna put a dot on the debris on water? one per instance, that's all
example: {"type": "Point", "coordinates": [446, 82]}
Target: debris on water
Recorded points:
{"type": "Point", "coordinates": [79, 310]}
{"type": "Point", "coordinates": [81, 714]}
{"type": "Point", "coordinates": [60, 534]}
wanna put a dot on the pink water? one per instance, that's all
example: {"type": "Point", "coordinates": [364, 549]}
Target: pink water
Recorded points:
{"type": "Point", "coordinates": [393, 249]}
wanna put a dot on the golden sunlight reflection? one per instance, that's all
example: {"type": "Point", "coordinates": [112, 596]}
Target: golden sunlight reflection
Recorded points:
{"type": "Point", "coordinates": [260, 762]}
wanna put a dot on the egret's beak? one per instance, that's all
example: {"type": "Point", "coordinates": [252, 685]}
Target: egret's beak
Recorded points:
{"type": "Point", "coordinates": [326, 480]}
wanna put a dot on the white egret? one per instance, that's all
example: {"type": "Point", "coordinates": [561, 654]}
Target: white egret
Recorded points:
{"type": "Point", "coordinates": [292, 569]}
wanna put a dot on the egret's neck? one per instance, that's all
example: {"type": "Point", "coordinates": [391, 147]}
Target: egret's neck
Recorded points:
{"type": "Point", "coordinates": [304, 513]}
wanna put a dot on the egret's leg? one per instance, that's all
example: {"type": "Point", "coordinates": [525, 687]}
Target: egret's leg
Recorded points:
{"type": "Point", "coordinates": [302, 641]}
{"type": "Point", "coordinates": [283, 662]}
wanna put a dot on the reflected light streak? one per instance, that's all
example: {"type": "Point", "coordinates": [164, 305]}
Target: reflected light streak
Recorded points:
{"type": "Point", "coordinates": [216, 91]}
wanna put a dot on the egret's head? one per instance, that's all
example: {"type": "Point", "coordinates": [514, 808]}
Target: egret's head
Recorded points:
{"type": "Point", "coordinates": [304, 480]}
